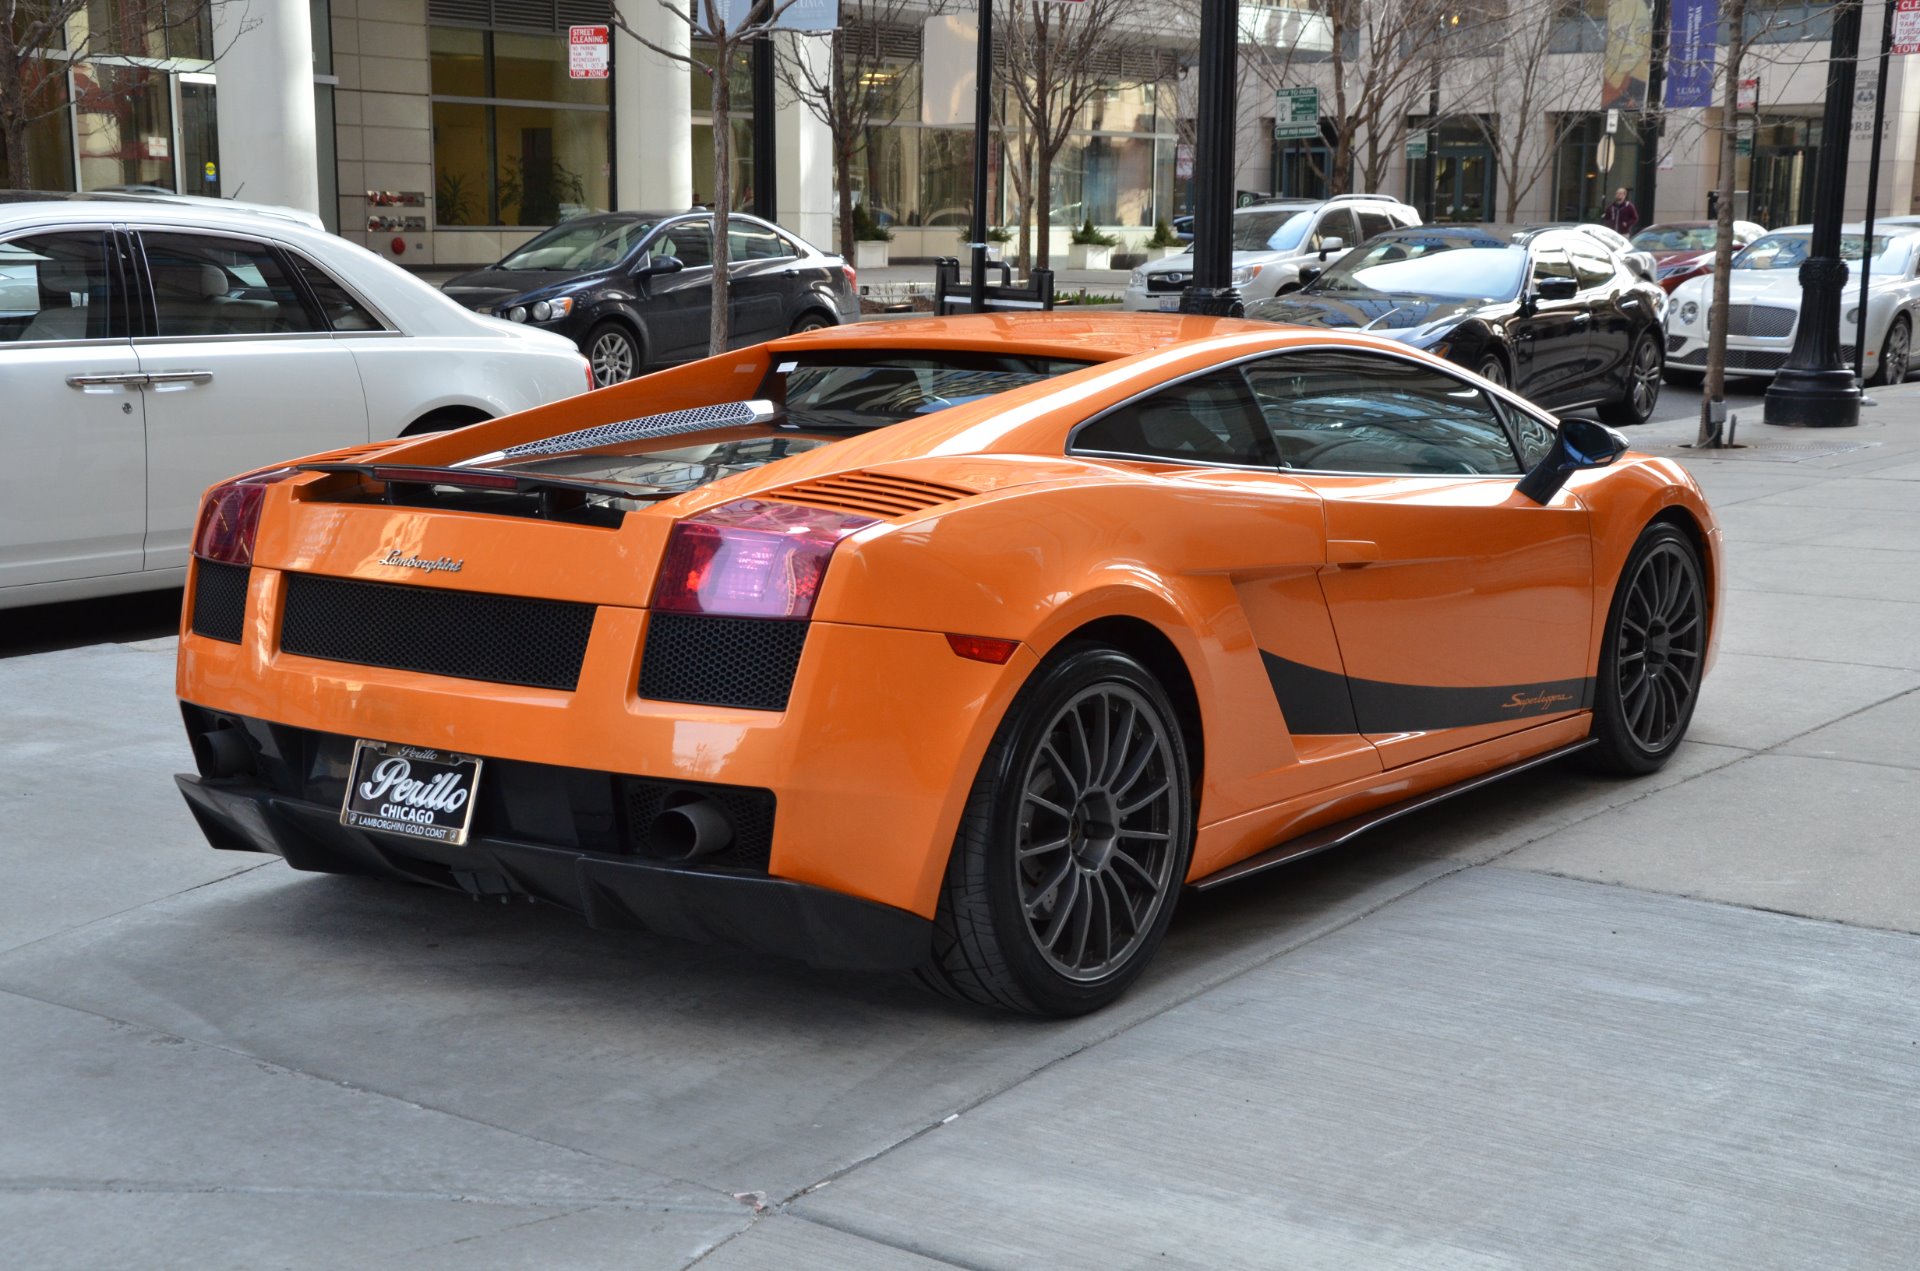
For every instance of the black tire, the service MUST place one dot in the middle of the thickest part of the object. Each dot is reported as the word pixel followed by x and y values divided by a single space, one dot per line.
pixel 1896 353
pixel 811 320
pixel 1645 366
pixel 1651 656
pixel 1493 368
pixel 614 353
pixel 1025 867
pixel 1683 379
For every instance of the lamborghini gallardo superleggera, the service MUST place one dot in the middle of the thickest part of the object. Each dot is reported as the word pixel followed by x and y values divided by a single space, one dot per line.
pixel 957 645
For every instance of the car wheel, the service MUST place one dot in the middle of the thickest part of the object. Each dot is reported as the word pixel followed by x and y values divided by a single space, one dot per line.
pixel 811 320
pixel 1073 845
pixel 1652 656
pixel 1643 384
pixel 1684 379
pixel 1493 369
pixel 1896 353
pixel 614 353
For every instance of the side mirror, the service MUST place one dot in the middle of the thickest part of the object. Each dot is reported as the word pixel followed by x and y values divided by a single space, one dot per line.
pixel 1334 244
pixel 1310 273
pixel 1579 445
pixel 1556 288
pixel 659 265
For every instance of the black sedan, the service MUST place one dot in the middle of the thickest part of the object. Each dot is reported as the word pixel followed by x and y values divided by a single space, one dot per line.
pixel 1551 313
pixel 635 289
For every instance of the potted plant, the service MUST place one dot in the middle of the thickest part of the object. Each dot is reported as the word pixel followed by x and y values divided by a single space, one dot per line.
pixel 998 236
pixel 870 240
pixel 1163 244
pixel 1091 249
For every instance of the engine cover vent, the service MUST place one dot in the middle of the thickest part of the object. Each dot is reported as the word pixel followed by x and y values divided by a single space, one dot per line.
pixel 871 494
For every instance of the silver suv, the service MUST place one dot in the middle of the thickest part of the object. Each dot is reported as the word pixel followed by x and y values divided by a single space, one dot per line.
pixel 1271 241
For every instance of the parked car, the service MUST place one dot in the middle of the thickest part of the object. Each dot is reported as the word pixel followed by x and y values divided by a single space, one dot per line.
pixel 962 645
pixel 1763 310
pixel 1684 249
pixel 1549 313
pixel 1641 263
pixel 635 289
pixel 1271 242
pixel 148 349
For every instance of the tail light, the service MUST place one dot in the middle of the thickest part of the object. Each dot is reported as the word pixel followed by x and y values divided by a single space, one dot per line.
pixel 230 517
pixel 853 279
pixel 751 559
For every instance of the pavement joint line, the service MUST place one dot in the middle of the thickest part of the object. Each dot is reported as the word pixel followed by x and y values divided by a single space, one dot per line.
pixel 498 1231
pixel 1798 657
pixel 118 913
pixel 1887 600
pixel 945 1260
pixel 1831 595
pixel 30 1186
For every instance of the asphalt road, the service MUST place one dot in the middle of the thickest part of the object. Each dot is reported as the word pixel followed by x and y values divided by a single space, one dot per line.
pixel 1562 1022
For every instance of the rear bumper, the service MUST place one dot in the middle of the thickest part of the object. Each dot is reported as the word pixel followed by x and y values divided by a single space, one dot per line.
pixel 746 910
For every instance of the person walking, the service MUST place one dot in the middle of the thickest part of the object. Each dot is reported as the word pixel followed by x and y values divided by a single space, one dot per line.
pixel 1621 216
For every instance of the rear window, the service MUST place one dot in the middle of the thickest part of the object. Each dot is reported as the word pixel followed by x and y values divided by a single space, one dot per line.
pixel 858 392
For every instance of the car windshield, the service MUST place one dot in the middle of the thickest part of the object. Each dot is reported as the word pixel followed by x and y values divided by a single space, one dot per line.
pixel 855 393
pixel 582 247
pixel 1442 265
pixel 1675 238
pixel 1786 251
pixel 1274 230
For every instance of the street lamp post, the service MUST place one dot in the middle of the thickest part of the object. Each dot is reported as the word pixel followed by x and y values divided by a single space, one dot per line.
pixel 1815 389
pixel 1212 291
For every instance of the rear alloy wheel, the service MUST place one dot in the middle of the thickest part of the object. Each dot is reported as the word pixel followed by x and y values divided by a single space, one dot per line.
pixel 1643 384
pixel 812 320
pixel 1073 846
pixel 1653 655
pixel 614 353
pixel 1493 370
pixel 1896 353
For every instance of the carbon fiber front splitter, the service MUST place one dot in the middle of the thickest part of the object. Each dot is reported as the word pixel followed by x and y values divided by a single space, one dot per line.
pixel 749 911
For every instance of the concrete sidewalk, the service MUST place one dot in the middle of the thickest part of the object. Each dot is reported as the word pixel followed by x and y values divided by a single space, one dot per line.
pixel 1563 1022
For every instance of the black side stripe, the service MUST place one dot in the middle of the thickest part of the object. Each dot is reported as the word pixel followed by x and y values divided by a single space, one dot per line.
pixel 1325 702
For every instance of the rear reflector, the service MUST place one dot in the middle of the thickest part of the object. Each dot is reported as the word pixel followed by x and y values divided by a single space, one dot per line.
pixel 230 517
pixel 982 648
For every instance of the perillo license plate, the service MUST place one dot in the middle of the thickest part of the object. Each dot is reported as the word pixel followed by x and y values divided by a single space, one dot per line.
pixel 427 794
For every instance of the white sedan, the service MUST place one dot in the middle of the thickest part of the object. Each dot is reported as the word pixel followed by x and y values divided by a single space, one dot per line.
pixel 1763 309
pixel 150 350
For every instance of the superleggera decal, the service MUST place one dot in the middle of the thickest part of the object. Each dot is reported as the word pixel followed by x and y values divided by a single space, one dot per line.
pixel 1322 702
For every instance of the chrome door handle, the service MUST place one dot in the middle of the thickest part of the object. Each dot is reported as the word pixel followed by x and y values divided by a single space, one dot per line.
pixel 180 377
pixel 132 379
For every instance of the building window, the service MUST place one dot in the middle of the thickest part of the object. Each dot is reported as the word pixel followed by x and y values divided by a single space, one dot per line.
pixel 1581 187
pixel 1456 181
pixel 515 141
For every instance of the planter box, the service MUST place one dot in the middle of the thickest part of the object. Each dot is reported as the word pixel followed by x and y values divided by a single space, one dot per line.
pixel 1088 256
pixel 870 253
pixel 1152 254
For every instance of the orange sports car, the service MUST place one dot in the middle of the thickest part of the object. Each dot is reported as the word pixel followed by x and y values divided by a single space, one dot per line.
pixel 960 645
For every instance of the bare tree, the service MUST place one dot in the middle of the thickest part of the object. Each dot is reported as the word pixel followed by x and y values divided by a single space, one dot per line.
pixel 1713 395
pixel 709 19
pixel 41 40
pixel 1525 105
pixel 857 89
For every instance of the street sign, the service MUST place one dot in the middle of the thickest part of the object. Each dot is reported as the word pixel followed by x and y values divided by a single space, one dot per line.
pixel 1613 122
pixel 1743 138
pixel 1866 91
pixel 1748 97
pixel 1296 114
pixel 1906 27
pixel 1416 145
pixel 589 52
pixel 1603 154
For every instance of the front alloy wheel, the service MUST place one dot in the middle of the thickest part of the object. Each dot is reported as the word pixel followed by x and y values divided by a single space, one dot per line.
pixel 1653 656
pixel 1896 353
pixel 1643 384
pixel 613 355
pixel 1493 370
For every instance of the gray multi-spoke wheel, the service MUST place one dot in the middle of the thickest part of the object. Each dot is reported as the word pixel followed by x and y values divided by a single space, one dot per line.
pixel 811 320
pixel 1493 369
pixel 1074 843
pixel 1653 656
pixel 614 353
pixel 1644 368
pixel 1896 353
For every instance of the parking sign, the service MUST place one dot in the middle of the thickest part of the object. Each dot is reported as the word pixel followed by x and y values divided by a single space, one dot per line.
pixel 589 52
pixel 1296 114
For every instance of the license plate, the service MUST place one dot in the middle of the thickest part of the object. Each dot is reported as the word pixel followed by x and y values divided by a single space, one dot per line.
pixel 410 790
pixel 1171 304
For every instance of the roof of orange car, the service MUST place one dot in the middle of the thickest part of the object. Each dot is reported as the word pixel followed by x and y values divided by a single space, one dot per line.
pixel 1091 336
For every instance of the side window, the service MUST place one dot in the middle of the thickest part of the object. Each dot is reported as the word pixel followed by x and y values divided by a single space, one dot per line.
pixel 691 241
pixel 208 285
pixel 1535 437
pixel 1207 419
pixel 747 241
pixel 1337 223
pixel 1336 411
pixel 55 287
pixel 342 311
pixel 1372 223
pixel 1593 269
pixel 1552 262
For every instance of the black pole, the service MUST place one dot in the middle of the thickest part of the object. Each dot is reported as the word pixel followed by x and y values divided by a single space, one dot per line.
pixel 1653 119
pixel 1873 197
pixel 1212 290
pixel 766 168
pixel 982 121
pixel 1815 389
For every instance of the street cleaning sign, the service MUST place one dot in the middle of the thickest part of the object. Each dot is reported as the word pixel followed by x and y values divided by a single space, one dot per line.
pixel 1296 114
pixel 1906 27
pixel 589 52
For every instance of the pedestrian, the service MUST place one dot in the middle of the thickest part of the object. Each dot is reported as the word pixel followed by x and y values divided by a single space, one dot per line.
pixel 1621 216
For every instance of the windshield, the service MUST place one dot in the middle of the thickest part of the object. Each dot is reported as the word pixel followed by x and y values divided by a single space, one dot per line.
pixel 848 395
pixel 1278 230
pixel 1786 251
pixel 580 247
pixel 1675 238
pixel 1451 267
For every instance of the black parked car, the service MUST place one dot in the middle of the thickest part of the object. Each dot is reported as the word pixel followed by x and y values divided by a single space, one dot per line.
pixel 1552 313
pixel 635 289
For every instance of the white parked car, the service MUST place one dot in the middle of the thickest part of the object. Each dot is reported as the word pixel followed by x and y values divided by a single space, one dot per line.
pixel 148 350
pixel 1271 241
pixel 1763 308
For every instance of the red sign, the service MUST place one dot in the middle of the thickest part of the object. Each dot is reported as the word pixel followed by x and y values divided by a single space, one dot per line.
pixel 589 52
pixel 1906 27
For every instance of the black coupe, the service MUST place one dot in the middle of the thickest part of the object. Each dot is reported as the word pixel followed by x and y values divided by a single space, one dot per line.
pixel 635 289
pixel 1551 313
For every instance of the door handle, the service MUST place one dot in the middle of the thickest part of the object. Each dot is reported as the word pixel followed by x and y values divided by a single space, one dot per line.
pixel 1582 321
pixel 180 377
pixel 132 379
pixel 1352 553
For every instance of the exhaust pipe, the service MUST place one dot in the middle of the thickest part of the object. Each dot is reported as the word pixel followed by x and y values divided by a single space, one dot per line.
pixel 690 830
pixel 222 752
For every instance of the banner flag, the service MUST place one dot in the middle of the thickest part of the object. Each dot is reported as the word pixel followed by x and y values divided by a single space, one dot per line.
pixel 1691 45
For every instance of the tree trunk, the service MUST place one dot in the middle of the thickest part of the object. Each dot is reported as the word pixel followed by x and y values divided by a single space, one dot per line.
pixel 1043 209
pixel 19 170
pixel 1714 391
pixel 844 140
pixel 722 195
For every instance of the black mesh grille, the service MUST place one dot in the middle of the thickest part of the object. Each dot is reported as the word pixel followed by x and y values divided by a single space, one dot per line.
pixel 219 600
pixel 505 639
pixel 749 809
pixel 712 661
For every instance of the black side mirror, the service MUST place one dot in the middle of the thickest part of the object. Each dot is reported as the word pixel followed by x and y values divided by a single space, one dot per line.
pixel 1309 273
pixel 1579 445
pixel 659 265
pixel 1556 288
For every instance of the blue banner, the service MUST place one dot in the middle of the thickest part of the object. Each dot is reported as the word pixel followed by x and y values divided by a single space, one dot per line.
pixel 1690 53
